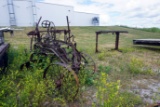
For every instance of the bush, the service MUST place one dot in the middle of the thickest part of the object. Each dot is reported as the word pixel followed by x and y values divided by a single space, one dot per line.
pixel 101 56
pixel 109 95
pixel 27 87
pixel 153 29
pixel 105 69
pixel 137 66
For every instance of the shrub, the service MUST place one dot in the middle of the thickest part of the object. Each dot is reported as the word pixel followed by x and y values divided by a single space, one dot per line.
pixel 109 95
pixel 137 66
pixel 105 69
pixel 101 56
pixel 26 88
pixel 107 92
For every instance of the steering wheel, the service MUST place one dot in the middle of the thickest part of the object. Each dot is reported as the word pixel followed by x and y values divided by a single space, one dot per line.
pixel 52 29
pixel 46 24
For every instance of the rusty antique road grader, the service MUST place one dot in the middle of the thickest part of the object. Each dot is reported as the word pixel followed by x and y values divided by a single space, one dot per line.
pixel 63 61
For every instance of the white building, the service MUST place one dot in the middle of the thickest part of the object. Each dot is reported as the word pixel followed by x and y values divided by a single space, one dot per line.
pixel 27 13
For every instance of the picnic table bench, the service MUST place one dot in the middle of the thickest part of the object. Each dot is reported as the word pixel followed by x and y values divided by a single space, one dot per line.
pixel 155 42
pixel 117 32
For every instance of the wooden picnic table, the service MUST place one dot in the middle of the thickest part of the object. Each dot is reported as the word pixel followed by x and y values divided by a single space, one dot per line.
pixel 117 32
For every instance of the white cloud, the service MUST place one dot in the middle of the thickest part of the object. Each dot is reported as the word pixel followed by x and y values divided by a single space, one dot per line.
pixel 104 19
pixel 65 2
pixel 125 12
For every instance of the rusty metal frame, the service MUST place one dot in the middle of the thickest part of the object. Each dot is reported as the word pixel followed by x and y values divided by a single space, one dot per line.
pixel 49 45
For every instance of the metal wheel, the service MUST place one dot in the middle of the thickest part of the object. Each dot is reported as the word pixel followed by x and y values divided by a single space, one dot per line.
pixel 40 60
pixel 87 62
pixel 64 79
pixel 67 54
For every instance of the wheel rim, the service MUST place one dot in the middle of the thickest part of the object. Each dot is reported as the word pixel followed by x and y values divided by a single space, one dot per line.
pixel 64 78
pixel 87 62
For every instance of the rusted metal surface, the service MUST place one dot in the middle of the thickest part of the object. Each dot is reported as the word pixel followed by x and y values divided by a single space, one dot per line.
pixel 68 28
pixel 61 53
pixel 117 32
pixel 48 43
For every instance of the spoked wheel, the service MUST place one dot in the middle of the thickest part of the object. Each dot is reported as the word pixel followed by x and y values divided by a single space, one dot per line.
pixel 64 79
pixel 40 59
pixel 87 62
pixel 37 59
pixel 65 51
pixel 68 54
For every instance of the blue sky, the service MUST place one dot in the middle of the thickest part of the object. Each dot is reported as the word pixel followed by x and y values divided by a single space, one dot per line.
pixel 135 13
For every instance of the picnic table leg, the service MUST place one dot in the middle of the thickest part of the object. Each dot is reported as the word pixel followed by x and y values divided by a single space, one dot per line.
pixel 96 43
pixel 117 41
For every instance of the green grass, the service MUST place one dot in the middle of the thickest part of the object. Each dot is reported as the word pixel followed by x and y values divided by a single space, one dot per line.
pixel 134 62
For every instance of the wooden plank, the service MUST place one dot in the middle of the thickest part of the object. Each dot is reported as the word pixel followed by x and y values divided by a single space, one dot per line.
pixel 155 42
pixel 111 31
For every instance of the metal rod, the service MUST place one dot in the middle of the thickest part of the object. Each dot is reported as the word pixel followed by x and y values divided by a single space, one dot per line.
pixel 68 28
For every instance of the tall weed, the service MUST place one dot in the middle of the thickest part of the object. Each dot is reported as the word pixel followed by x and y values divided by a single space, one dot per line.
pixel 109 94
pixel 137 66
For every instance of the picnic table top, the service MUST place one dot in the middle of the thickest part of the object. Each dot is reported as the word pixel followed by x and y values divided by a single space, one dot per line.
pixel 111 31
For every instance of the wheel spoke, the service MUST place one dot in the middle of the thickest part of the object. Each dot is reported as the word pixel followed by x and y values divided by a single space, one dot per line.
pixel 64 79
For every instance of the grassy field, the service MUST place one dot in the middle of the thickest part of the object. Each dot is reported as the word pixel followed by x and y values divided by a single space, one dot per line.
pixel 137 67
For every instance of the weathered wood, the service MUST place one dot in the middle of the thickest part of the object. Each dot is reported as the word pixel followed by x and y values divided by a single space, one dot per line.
pixel 110 31
pixel 117 32
pixel 96 42
pixel 155 42
pixel 117 41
